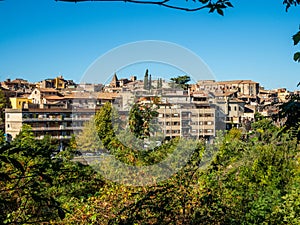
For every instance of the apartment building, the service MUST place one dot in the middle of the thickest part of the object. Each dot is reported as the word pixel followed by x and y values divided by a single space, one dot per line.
pixel 186 121
pixel 59 117
pixel 182 115
pixel 58 123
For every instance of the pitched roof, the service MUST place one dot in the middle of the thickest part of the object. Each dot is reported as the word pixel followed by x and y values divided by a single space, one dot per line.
pixel 53 97
pixel 47 90
pixel 107 95
pixel 226 93
pixel 80 95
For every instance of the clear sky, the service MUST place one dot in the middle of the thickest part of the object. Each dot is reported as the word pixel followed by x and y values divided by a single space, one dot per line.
pixel 44 38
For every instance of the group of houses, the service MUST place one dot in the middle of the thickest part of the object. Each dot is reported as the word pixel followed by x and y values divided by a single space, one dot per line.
pixel 60 107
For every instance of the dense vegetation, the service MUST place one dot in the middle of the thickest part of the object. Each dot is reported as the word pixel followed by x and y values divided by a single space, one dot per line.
pixel 253 178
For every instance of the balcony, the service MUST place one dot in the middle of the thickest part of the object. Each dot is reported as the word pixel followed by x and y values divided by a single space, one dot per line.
pixel 56 119
pixel 56 128
pixel 41 119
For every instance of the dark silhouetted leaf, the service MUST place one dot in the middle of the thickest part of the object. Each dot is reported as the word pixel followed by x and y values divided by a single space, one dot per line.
pixel 297 56
pixel 229 4
pixel 220 11
pixel 296 38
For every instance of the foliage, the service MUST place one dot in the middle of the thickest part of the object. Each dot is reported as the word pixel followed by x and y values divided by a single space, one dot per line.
pixel 104 124
pixel 181 81
pixel 159 83
pixel 289 3
pixel 34 183
pixel 4 103
pixel 290 111
pixel 251 178
pixel 146 80
pixel 88 139
pixel 2 137
pixel 249 182
pixel 3 100
pixel 140 117
pixel 296 39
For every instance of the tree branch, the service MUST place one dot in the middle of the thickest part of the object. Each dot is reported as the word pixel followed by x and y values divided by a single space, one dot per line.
pixel 219 5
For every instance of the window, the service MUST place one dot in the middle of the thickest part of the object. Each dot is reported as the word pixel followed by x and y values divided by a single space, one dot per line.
pixel 8 126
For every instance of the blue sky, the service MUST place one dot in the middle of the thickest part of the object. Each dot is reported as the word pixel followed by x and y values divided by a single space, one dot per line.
pixel 41 39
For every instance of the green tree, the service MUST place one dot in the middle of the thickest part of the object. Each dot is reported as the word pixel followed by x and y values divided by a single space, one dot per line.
pixel 88 139
pixel 35 184
pixel 159 83
pixel 104 125
pixel 252 179
pixel 181 81
pixel 146 80
pixel 140 117
pixel 3 105
pixel 150 82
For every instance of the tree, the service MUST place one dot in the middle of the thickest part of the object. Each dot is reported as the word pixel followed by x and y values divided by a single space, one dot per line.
pixel 140 117
pixel 3 105
pixel 252 179
pixel 36 187
pixel 150 82
pixel 159 83
pixel 146 80
pixel 103 122
pixel 88 139
pixel 181 81
pixel 289 115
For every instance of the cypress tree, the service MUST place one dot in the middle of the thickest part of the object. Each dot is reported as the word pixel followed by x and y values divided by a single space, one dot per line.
pixel 150 82
pixel 146 80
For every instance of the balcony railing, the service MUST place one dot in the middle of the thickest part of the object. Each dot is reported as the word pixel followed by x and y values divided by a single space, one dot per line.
pixel 55 119
pixel 56 128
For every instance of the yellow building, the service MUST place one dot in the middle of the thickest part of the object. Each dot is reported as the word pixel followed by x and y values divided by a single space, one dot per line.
pixel 60 82
pixel 19 102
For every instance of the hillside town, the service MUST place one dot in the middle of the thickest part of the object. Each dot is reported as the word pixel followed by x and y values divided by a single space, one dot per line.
pixel 60 107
